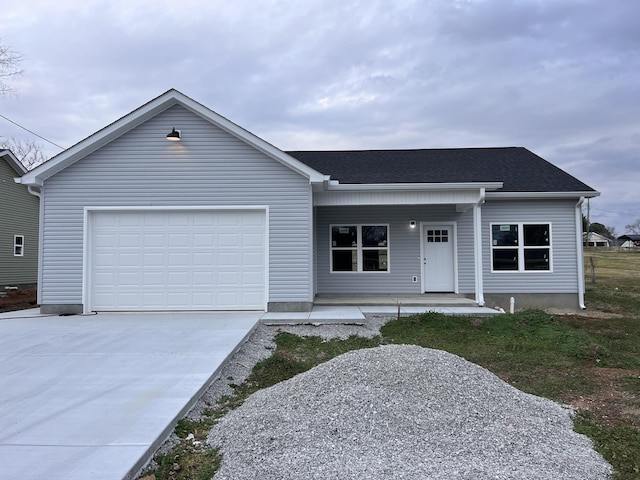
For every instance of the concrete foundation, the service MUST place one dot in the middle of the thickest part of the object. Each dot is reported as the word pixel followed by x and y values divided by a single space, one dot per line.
pixel 290 306
pixel 523 301
pixel 61 309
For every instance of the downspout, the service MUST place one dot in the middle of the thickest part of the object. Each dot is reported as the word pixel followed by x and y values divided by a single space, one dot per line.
pixel 37 191
pixel 32 190
pixel 477 229
pixel 580 254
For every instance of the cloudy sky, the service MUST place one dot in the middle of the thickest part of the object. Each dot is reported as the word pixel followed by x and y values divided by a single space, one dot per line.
pixel 560 77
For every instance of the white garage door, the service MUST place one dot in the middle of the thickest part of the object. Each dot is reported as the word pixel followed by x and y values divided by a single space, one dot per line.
pixel 176 260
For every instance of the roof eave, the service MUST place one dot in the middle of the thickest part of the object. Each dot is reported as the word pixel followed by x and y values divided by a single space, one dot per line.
pixel 541 195
pixel 13 161
pixel 488 186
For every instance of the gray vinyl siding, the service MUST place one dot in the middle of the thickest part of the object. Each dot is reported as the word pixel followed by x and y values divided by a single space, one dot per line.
pixel 207 167
pixel 404 247
pixel 18 216
pixel 561 215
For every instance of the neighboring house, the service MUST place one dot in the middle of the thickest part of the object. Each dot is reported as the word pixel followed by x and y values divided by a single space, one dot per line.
pixel 18 227
pixel 222 220
pixel 629 241
pixel 593 239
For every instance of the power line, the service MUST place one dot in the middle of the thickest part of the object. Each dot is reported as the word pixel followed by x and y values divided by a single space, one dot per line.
pixel 31 132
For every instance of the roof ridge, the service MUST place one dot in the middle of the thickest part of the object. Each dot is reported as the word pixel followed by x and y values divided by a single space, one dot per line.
pixel 403 149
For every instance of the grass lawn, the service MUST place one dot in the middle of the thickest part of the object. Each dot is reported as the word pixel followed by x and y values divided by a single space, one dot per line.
pixel 590 361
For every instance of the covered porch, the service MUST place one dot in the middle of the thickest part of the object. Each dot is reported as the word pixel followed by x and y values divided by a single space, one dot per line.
pixel 395 300
pixel 355 308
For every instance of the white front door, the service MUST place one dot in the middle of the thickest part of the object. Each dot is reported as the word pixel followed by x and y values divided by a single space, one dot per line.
pixel 438 261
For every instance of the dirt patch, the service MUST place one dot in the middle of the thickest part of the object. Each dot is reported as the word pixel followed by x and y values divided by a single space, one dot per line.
pixel 610 402
pixel 18 300
pixel 585 314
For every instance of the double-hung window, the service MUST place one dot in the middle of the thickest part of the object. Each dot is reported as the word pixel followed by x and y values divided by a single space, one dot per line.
pixel 18 245
pixel 359 248
pixel 521 247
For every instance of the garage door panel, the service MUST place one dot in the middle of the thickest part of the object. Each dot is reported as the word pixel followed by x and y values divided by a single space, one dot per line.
pixel 152 300
pixel 152 279
pixel 132 220
pixel 204 258
pixel 203 279
pixel 179 259
pixel 129 260
pixel 105 240
pixel 153 239
pixel 252 278
pixel 252 240
pixel 202 240
pixel 104 259
pixel 130 279
pixel 191 260
pixel 228 240
pixel 153 259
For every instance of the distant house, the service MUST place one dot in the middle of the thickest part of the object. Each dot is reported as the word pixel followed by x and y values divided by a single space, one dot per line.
pixel 18 227
pixel 629 241
pixel 593 239
pixel 174 207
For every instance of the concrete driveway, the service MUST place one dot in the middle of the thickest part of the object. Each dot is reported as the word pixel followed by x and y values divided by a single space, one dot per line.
pixel 89 397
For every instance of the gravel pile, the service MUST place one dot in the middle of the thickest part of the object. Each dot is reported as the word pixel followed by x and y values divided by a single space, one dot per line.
pixel 401 412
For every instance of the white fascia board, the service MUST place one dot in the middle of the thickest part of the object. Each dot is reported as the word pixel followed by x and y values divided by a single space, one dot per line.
pixel 414 186
pixel 13 162
pixel 256 142
pixel 539 195
pixel 93 142
pixel 149 110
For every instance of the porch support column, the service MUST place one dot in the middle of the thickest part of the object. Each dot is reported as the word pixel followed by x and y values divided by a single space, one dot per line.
pixel 580 254
pixel 477 242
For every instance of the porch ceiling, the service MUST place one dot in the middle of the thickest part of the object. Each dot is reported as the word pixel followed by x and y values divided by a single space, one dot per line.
pixel 427 299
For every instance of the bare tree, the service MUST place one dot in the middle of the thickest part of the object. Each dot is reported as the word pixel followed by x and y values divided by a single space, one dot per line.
pixel 9 68
pixel 634 227
pixel 29 152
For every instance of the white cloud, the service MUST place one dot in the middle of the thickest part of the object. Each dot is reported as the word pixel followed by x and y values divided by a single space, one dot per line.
pixel 557 76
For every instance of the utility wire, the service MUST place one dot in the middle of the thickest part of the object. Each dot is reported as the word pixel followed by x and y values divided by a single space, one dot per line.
pixel 31 132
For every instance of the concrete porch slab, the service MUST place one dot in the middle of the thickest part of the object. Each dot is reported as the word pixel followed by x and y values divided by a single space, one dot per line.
pixel 427 299
pixel 357 314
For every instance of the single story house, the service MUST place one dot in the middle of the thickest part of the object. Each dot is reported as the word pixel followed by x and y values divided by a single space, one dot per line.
pixel 629 241
pixel 174 207
pixel 593 239
pixel 18 228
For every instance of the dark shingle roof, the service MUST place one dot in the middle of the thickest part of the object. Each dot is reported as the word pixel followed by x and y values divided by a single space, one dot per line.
pixel 519 169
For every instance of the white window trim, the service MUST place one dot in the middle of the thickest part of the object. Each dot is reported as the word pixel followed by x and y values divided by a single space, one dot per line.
pixel 360 248
pixel 18 247
pixel 521 248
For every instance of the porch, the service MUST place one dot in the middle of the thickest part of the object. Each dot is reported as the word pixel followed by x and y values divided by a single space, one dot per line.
pixel 354 308
pixel 421 300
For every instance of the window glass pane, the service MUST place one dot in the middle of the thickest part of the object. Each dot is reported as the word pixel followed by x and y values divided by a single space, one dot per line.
pixel 437 236
pixel 504 235
pixel 345 260
pixel 344 236
pixel 374 236
pixel 19 240
pixel 536 259
pixel 536 235
pixel 374 260
pixel 505 259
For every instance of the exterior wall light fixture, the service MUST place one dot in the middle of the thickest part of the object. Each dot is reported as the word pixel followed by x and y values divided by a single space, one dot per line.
pixel 412 224
pixel 174 135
